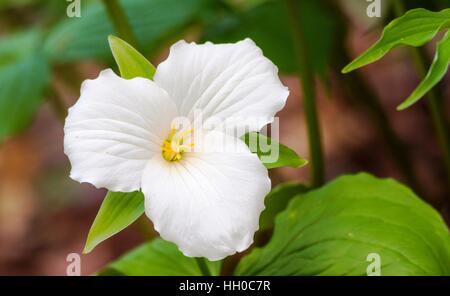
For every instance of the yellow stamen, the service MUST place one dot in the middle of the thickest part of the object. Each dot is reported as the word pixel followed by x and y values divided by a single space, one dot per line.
pixel 174 145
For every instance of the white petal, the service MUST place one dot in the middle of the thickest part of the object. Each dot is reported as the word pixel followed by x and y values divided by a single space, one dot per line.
pixel 115 127
pixel 233 82
pixel 209 202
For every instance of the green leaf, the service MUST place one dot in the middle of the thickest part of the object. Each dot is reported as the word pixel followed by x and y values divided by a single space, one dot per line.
pixel 414 28
pixel 437 71
pixel 18 46
pixel 153 22
pixel 157 258
pixel 131 63
pixel 271 153
pixel 21 92
pixel 117 212
pixel 24 76
pixel 267 24
pixel 277 200
pixel 332 230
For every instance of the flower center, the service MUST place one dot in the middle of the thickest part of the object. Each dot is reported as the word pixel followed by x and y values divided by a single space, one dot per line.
pixel 175 144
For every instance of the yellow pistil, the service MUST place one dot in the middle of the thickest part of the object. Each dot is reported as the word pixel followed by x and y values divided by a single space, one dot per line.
pixel 174 145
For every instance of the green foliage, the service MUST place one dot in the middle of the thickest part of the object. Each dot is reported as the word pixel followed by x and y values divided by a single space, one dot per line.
pixel 24 75
pixel 267 148
pixel 267 24
pixel 437 71
pixel 17 46
pixel 152 21
pixel 414 28
pixel 277 200
pixel 117 212
pixel 157 257
pixel 24 66
pixel 15 3
pixel 131 63
pixel 331 231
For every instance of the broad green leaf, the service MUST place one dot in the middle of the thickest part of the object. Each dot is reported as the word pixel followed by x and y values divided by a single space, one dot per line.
pixel 22 85
pixel 333 229
pixel 437 71
pixel 24 76
pixel 157 258
pixel 277 200
pixel 153 22
pixel 271 153
pixel 117 212
pixel 267 24
pixel 131 63
pixel 414 28
pixel 18 46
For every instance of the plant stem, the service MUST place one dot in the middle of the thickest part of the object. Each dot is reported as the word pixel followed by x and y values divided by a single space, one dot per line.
pixel 306 76
pixel 358 91
pixel 399 8
pixel 201 262
pixel 120 21
pixel 144 229
pixel 57 104
pixel 434 102
pixel 434 99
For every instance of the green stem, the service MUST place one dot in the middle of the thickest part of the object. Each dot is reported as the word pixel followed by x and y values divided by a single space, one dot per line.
pixel 201 262
pixel 434 99
pixel 144 229
pixel 120 22
pixel 57 104
pixel 442 132
pixel 399 8
pixel 434 102
pixel 309 97
pixel 359 92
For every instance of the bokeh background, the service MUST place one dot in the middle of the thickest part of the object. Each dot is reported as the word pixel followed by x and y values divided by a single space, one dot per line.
pixel 45 55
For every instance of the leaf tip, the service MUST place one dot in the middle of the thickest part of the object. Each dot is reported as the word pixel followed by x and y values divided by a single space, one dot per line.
pixel 303 162
pixel 87 249
pixel 114 41
pixel 346 69
pixel 111 38
pixel 89 245
pixel 402 106
pixel 411 100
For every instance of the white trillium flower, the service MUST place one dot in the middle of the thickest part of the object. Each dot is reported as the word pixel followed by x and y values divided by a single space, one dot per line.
pixel 120 135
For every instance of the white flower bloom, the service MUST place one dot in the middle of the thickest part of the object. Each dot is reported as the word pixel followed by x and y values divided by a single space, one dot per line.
pixel 120 136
